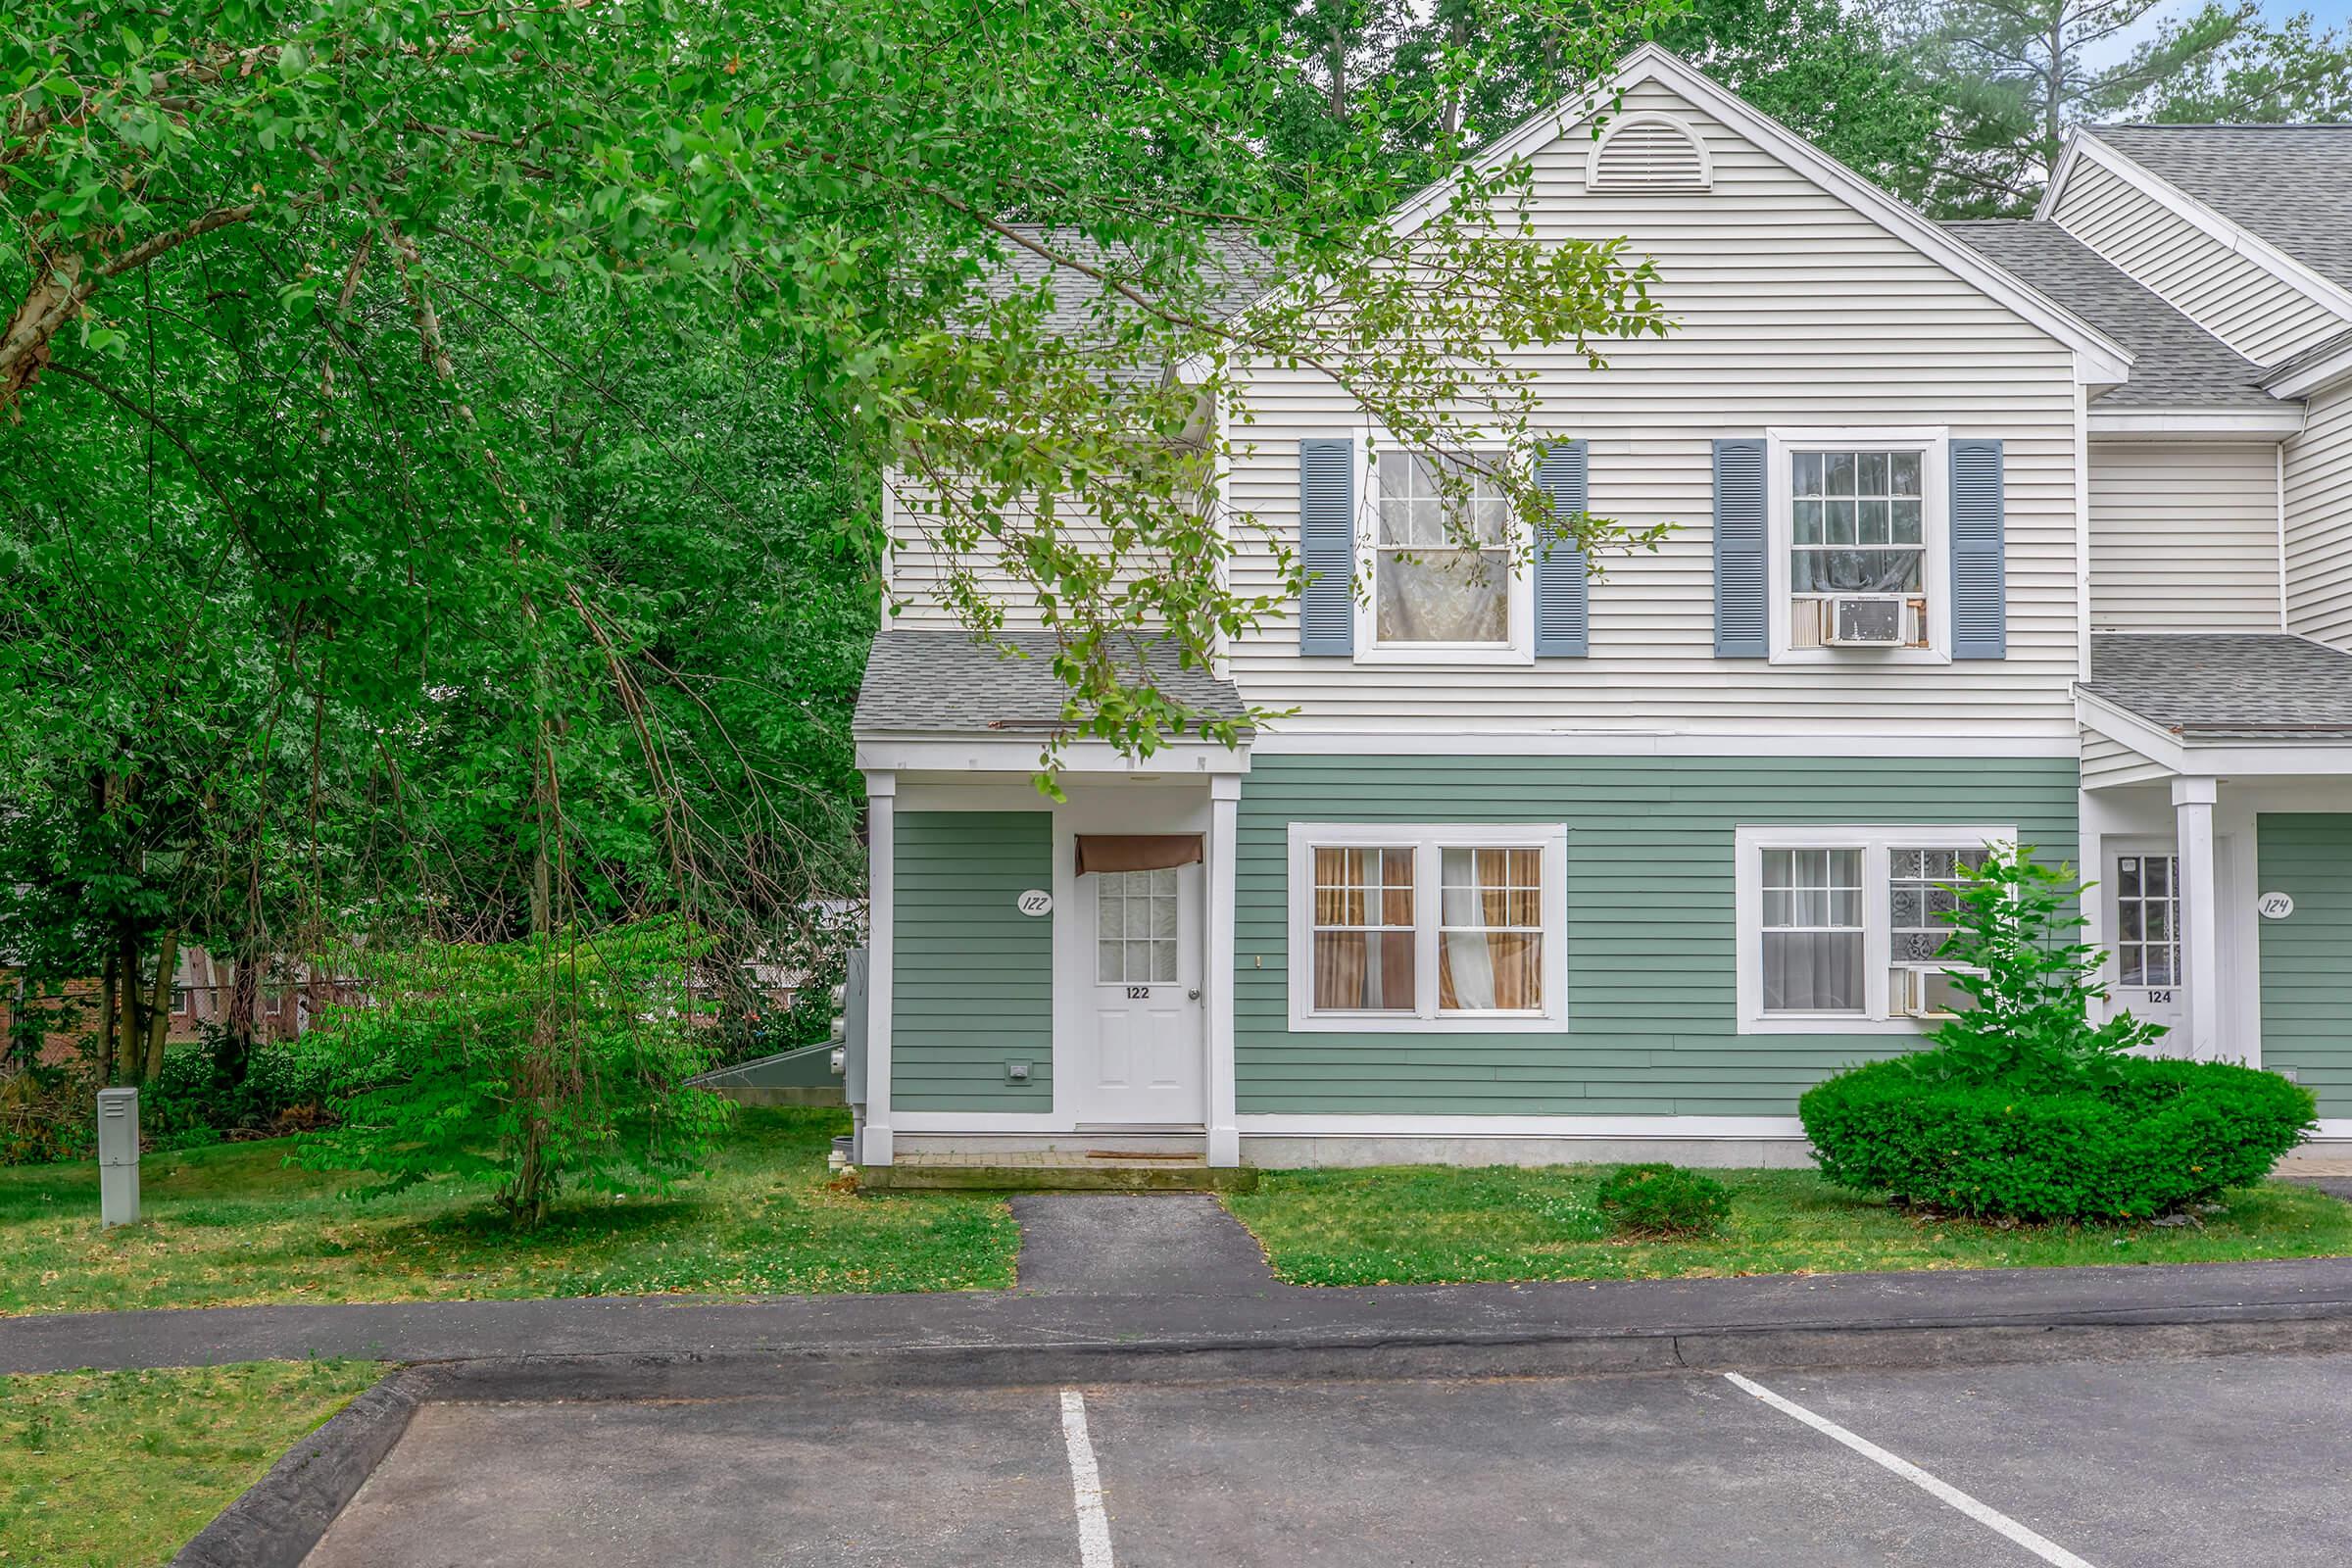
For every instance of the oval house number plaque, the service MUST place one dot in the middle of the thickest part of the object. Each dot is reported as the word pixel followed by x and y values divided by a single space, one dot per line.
pixel 2276 905
pixel 1035 902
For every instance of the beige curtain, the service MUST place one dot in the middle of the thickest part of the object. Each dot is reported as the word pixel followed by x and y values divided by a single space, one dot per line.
pixel 1136 851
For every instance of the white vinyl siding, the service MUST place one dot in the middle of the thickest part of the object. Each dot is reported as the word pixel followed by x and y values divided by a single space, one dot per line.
pixel 2231 295
pixel 1792 310
pixel 2183 538
pixel 2108 764
pixel 2318 522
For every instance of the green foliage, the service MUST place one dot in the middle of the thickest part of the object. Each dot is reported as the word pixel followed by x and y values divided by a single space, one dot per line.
pixel 2033 989
pixel 2146 1138
pixel 2262 73
pixel 533 1068
pixel 1660 1199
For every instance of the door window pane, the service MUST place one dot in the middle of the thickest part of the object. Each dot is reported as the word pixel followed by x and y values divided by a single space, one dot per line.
pixel 1490 930
pixel 1363 925
pixel 2147 920
pixel 1135 927
pixel 1812 930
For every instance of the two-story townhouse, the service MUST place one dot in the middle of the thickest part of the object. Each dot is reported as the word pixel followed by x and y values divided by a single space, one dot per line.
pixel 1546 867
pixel 2217 707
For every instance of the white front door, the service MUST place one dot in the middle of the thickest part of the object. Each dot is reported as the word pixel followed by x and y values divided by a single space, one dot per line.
pixel 1149 1060
pixel 2143 925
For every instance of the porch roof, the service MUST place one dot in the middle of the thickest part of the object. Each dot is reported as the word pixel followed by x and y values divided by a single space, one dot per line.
pixel 948 683
pixel 2227 686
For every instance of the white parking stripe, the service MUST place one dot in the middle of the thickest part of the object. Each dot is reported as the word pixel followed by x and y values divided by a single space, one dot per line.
pixel 1086 1484
pixel 2047 1550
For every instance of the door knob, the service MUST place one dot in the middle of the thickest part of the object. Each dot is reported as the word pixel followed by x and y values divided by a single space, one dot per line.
pixel 1192 996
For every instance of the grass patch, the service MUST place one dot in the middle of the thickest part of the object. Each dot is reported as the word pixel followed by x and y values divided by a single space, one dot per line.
pixel 234 1225
pixel 109 1469
pixel 1426 1225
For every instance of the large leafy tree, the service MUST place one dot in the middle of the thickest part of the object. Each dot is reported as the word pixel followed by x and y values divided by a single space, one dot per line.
pixel 2013 76
pixel 2263 73
pixel 442 440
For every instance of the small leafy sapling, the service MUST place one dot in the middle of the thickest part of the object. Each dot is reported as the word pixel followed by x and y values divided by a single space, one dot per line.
pixel 2012 952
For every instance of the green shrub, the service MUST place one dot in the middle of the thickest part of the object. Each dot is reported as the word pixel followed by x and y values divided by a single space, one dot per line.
pixel 2147 1137
pixel 2011 950
pixel 532 1067
pixel 1663 1201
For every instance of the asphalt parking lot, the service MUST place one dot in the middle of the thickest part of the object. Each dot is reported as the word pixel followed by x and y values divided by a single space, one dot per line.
pixel 2154 1464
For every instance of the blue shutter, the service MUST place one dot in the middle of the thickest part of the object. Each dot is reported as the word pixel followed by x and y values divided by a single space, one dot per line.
pixel 1563 586
pixel 1980 579
pixel 1741 579
pixel 1327 546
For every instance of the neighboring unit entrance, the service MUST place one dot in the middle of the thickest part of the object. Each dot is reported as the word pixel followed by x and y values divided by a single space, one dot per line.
pixel 1148 1061
pixel 2143 915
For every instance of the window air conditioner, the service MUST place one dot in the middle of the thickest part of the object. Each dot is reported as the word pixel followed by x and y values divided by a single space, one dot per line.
pixel 1874 620
pixel 1925 994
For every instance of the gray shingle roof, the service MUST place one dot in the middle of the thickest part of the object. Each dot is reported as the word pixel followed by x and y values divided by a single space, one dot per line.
pixel 2176 362
pixel 944 682
pixel 1237 270
pixel 2226 686
pixel 2286 183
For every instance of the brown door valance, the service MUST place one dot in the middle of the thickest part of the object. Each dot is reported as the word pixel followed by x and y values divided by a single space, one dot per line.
pixel 1136 851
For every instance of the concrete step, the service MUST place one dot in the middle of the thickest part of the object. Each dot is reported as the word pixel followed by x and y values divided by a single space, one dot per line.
pixel 1112 1175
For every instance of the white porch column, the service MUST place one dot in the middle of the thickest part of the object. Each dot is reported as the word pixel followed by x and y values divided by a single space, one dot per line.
pixel 2200 913
pixel 881 800
pixel 1224 804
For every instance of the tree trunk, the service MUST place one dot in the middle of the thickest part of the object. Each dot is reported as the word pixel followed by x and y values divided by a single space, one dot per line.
pixel 1339 73
pixel 128 1041
pixel 106 1022
pixel 159 1012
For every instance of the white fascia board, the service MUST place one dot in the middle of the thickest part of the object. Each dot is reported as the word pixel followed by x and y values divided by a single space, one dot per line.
pixel 2230 760
pixel 1026 755
pixel 2317 377
pixel 1352 1126
pixel 2099 360
pixel 2127 728
pixel 2205 425
pixel 2085 143
pixel 1856 742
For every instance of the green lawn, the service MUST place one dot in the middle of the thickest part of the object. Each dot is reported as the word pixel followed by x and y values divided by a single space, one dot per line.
pixel 234 1225
pixel 115 1469
pixel 1430 1225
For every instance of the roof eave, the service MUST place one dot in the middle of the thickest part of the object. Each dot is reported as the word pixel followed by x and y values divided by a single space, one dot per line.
pixel 2209 423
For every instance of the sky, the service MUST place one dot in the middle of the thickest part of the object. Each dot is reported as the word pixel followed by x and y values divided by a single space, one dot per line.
pixel 2336 14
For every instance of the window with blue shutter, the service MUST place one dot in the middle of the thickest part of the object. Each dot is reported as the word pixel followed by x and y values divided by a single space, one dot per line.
pixel 1740 544
pixel 1327 546
pixel 1980 582
pixel 1564 584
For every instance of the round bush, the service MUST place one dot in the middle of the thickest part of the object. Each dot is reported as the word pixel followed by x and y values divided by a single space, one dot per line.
pixel 1663 1201
pixel 2142 1138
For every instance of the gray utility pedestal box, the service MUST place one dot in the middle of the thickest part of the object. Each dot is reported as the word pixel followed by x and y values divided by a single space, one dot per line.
pixel 119 1156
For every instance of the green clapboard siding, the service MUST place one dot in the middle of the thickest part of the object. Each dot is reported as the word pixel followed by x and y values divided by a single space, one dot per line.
pixel 2307 958
pixel 1653 1004
pixel 971 977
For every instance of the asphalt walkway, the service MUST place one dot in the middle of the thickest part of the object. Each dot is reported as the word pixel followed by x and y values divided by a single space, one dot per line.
pixel 1197 1284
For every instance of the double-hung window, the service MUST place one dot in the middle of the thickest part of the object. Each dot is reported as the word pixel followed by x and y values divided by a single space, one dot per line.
pixel 1846 928
pixel 1443 581
pixel 1448 927
pixel 1859 532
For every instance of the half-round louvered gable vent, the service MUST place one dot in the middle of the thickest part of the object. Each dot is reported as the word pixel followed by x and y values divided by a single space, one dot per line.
pixel 1649 152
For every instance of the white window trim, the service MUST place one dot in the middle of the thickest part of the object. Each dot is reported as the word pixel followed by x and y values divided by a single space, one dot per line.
pixel 1876 842
pixel 1426 840
pixel 1934 444
pixel 1520 650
